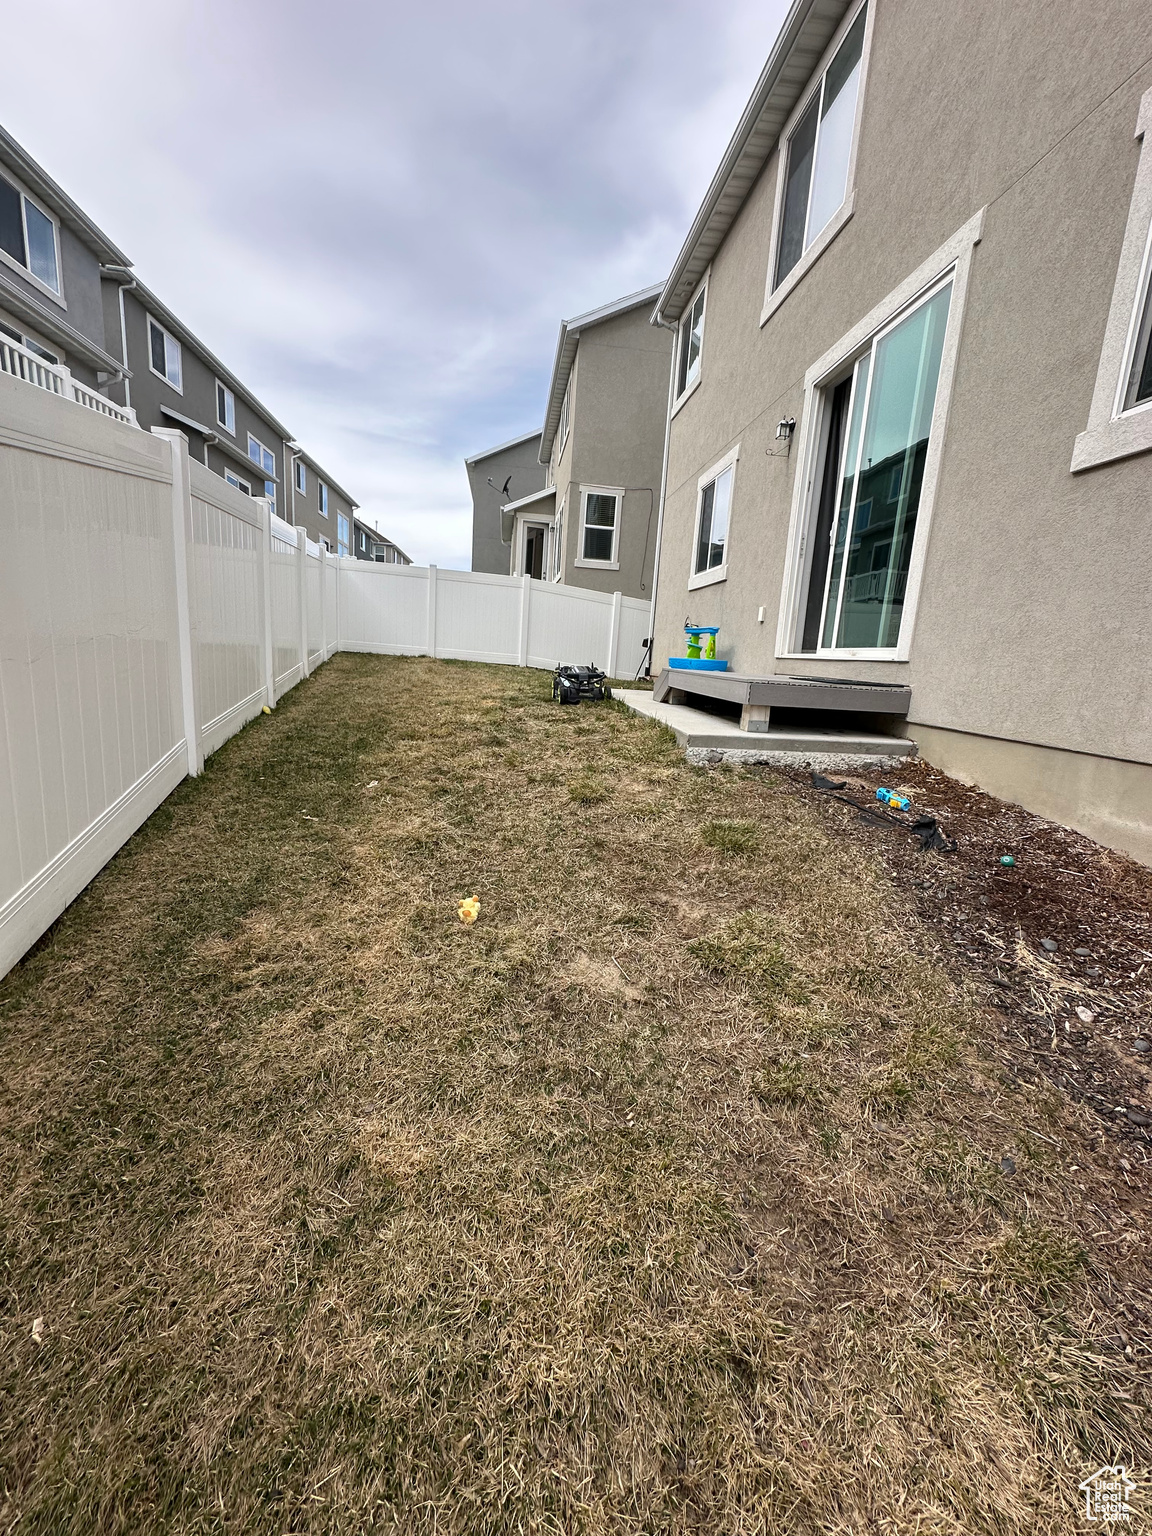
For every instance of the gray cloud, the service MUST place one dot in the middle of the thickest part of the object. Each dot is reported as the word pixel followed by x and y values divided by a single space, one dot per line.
pixel 377 214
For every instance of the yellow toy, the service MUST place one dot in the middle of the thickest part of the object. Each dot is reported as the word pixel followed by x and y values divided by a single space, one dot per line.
pixel 469 910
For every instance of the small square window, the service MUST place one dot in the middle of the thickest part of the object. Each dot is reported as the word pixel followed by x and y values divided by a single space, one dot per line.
pixel 600 525
pixel 165 356
pixel 225 407
pixel 301 477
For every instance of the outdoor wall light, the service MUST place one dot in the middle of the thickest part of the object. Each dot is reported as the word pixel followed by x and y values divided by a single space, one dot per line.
pixel 785 428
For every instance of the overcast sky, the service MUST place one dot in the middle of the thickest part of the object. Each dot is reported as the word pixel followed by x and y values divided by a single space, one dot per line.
pixel 377 213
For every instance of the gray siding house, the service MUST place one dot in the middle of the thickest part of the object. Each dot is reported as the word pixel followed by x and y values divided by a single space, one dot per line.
pixel 594 525
pixel 497 476
pixel 50 259
pixel 911 434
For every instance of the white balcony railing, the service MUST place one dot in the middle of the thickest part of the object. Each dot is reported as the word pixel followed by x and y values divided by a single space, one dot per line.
pixel 57 380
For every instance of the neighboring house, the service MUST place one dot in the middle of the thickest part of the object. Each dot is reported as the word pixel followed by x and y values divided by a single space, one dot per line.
pixel 176 382
pixel 314 499
pixel 72 307
pixel 387 553
pixel 50 259
pixel 495 477
pixel 594 525
pixel 930 251
pixel 369 543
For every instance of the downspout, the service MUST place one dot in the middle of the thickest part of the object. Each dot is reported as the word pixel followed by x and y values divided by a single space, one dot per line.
pixel 121 290
pixel 667 325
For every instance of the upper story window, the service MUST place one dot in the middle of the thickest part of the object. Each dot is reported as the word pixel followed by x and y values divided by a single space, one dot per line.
pixel 819 153
pixel 27 342
pixel 363 539
pixel 322 494
pixel 29 237
pixel 342 532
pixel 165 356
pixel 691 344
pixel 261 455
pixel 301 477
pixel 565 417
pixel 225 407
pixel 600 525
pixel 234 479
pixel 713 506
pixel 1120 416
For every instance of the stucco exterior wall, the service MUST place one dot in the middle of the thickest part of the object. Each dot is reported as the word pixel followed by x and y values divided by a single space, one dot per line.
pixel 618 405
pixel 1035 621
pixel 522 462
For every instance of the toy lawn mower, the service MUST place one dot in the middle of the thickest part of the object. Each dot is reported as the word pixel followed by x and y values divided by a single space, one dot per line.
pixel 571 684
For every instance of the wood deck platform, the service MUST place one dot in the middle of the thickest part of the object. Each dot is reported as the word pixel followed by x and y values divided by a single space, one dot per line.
pixel 758 695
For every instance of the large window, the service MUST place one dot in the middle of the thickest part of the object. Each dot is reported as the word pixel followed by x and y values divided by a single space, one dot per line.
pixel 165 357
pixel 565 417
pixel 819 152
pixel 342 534
pixel 600 524
pixel 26 341
pixel 28 236
pixel 713 511
pixel 266 460
pixel 301 477
pixel 879 423
pixel 691 343
pixel 225 407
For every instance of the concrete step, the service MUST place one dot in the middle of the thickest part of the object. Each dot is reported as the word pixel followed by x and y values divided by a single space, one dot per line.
pixel 712 738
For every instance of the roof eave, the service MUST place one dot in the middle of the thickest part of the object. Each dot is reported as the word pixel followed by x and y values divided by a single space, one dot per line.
pixel 807 30
pixel 489 453
pixel 17 158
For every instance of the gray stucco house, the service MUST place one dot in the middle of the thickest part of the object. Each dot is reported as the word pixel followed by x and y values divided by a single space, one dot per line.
pixel 911 433
pixel 506 473
pixel 70 299
pixel 594 522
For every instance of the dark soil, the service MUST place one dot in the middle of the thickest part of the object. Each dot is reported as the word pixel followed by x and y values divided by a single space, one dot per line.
pixel 1091 901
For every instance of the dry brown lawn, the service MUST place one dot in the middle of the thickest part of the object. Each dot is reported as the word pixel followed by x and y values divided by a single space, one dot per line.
pixel 682 1193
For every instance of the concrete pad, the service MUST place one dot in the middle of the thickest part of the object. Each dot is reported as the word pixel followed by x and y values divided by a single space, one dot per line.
pixel 709 738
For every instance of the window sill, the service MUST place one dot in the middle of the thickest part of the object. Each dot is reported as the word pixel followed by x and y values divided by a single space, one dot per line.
pixel 688 393
pixel 708 578
pixel 810 257
pixel 30 277
pixel 889 655
pixel 164 379
pixel 598 565
pixel 1117 439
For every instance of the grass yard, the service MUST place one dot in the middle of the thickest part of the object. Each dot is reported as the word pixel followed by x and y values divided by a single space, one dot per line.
pixel 682 1193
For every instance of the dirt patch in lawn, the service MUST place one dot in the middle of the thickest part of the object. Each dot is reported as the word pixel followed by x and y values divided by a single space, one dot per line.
pixel 694 1188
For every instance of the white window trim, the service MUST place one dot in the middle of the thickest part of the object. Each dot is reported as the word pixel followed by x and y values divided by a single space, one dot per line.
pixel 300 477
pixel 690 389
pixel 955 257
pixel 524 521
pixel 601 490
pixel 10 261
pixel 698 579
pixel 558 543
pixel 220 384
pixel 234 480
pixel 566 413
pixel 149 322
pixel 322 496
pixel 1112 432
pixel 264 473
pixel 773 298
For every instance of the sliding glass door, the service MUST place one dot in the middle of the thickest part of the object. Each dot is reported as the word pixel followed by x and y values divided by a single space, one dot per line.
pixel 872 478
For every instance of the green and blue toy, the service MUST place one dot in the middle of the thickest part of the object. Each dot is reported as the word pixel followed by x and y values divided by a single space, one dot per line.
pixel 700 649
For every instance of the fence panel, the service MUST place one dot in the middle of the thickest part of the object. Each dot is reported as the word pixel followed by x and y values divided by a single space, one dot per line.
pixel 383 608
pixel 478 616
pixel 635 627
pixel 314 586
pixel 225 603
pixel 568 624
pixel 331 577
pixel 91 716
pixel 286 660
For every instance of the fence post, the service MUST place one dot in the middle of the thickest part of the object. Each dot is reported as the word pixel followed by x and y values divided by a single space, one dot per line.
pixel 266 593
pixel 614 633
pixel 322 563
pixel 525 608
pixel 181 533
pixel 302 595
pixel 431 641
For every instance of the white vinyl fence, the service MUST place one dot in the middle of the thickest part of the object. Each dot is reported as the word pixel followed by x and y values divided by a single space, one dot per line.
pixel 148 610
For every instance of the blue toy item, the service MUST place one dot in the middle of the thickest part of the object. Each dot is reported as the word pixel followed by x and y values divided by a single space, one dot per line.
pixel 701 649
pixel 890 797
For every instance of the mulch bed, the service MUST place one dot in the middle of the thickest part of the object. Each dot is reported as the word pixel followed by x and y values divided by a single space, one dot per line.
pixel 1079 1014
